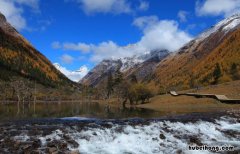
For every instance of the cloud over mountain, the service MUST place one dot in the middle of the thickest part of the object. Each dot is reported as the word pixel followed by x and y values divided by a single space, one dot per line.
pixel 13 11
pixel 157 34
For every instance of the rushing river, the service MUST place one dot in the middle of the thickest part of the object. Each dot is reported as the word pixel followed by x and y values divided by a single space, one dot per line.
pixel 95 129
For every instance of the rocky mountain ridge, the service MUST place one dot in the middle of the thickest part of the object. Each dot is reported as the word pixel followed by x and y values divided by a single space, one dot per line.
pixel 192 65
pixel 126 65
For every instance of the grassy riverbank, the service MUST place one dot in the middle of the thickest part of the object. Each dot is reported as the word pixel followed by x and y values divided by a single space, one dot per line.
pixel 187 104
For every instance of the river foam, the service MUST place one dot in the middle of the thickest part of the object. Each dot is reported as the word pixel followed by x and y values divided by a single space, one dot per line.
pixel 153 137
pixel 122 136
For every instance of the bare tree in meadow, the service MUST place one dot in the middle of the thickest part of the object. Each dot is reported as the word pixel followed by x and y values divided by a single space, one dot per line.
pixel 22 91
pixel 26 97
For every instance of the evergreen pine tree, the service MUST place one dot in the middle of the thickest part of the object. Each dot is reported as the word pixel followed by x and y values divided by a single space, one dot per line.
pixel 133 78
pixel 217 73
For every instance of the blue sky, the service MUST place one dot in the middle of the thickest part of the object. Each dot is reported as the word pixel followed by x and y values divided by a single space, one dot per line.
pixel 76 33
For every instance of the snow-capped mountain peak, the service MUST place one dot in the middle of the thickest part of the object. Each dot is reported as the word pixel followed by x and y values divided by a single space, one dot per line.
pixel 225 26
pixel 73 75
pixel 123 64
pixel 130 62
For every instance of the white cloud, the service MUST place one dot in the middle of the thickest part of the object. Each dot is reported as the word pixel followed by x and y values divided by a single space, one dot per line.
pixel 144 22
pixel 157 34
pixel 73 75
pixel 217 7
pixel 182 15
pixel 34 4
pixel 111 6
pixel 143 6
pixel 110 49
pixel 83 47
pixel 56 45
pixel 66 59
pixel 105 6
pixel 77 47
pixel 13 11
pixel 162 34
pixel 13 14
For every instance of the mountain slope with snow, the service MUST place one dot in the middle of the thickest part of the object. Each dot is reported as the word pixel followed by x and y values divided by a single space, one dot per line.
pixel 190 66
pixel 127 65
pixel 224 26
pixel 72 75
pixel 195 63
